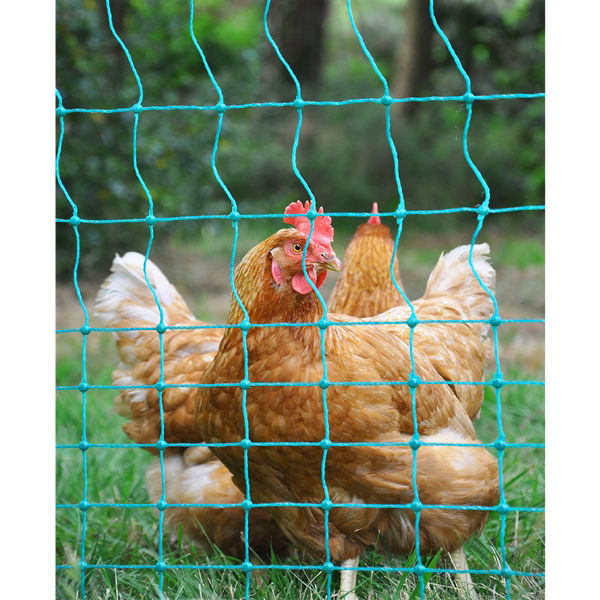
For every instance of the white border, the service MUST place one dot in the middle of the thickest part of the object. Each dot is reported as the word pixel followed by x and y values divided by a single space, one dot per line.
pixel 27 242
pixel 27 284
pixel 573 298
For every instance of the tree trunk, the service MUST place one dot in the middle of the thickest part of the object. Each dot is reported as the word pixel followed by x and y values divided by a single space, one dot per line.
pixel 412 61
pixel 297 26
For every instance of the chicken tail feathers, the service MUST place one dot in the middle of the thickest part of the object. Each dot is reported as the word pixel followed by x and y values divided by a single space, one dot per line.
pixel 125 300
pixel 454 276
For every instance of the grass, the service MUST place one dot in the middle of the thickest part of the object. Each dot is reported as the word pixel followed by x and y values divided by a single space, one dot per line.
pixel 130 536
pixel 121 536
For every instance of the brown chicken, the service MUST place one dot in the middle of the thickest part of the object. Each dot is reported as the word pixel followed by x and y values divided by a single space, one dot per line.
pixel 193 475
pixel 365 288
pixel 456 350
pixel 453 293
pixel 273 289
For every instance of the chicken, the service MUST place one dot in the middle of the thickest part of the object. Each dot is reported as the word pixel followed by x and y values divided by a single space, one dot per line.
pixel 271 284
pixel 456 350
pixel 365 288
pixel 453 293
pixel 193 475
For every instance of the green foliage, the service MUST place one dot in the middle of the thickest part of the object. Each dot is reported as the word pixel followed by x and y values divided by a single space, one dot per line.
pixel 173 148
pixel 343 152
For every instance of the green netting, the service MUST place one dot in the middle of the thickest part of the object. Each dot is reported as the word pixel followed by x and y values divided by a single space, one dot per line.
pixel 468 99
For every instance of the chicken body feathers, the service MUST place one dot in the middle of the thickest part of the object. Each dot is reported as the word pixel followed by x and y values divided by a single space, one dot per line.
pixel 192 475
pixel 379 414
pixel 453 293
pixel 375 414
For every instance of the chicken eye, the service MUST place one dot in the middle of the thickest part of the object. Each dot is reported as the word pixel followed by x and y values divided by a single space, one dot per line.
pixel 297 248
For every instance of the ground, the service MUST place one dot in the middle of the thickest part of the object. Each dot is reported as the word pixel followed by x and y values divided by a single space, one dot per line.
pixel 199 269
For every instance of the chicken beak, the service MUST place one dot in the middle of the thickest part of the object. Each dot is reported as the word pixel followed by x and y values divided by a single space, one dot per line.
pixel 331 263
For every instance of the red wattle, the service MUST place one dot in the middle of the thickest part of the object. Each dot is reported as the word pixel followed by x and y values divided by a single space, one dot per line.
pixel 301 285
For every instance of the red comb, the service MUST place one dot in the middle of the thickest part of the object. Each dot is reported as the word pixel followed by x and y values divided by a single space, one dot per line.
pixel 323 229
pixel 374 220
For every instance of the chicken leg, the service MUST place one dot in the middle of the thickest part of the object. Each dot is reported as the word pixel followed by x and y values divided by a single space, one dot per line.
pixel 348 579
pixel 464 581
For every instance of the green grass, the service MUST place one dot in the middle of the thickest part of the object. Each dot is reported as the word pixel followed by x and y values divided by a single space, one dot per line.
pixel 521 253
pixel 130 536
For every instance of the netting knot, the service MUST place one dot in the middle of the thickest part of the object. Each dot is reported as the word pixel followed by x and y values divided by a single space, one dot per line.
pixel 414 443
pixel 83 565
pixel 412 321
pixel 327 505
pixel 161 445
pixel 84 505
pixel 247 504
pixel 161 328
pixel 325 444
pixel 468 98
pixel 483 211
pixel 502 508
pixel 247 566
pixel 85 330
pixel 244 325
pixel 299 103
pixel 161 505
pixel 498 382
pixel 312 214
pixel 400 214
pixel 419 569
pixel 324 384
pixel 137 108
pixel 220 107
pixel 245 443
pixel 386 100
pixel 74 221
pixel 160 566
pixel 83 387
pixel 495 320
pixel 322 324
pixel 245 384
pixel 83 446
pixel 328 567
pixel 151 219
pixel 413 381
pixel 61 111
pixel 416 506
pixel 160 386
pixel 500 445
pixel 234 216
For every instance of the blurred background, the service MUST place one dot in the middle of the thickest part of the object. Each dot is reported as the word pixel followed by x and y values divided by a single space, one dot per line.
pixel 343 152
